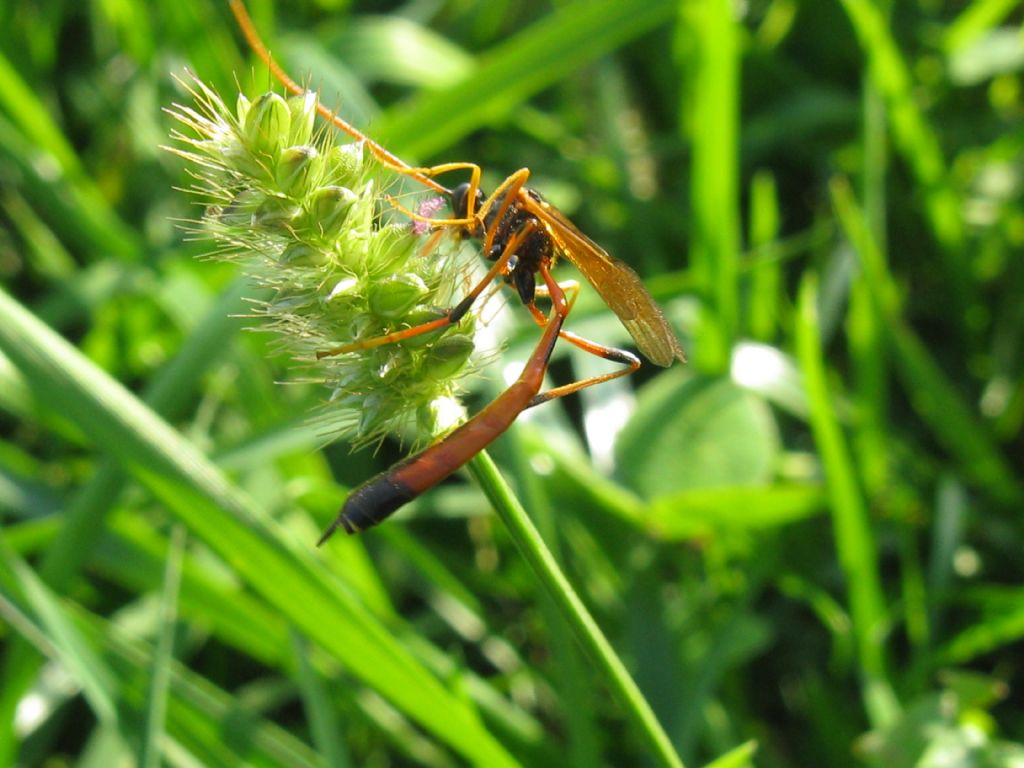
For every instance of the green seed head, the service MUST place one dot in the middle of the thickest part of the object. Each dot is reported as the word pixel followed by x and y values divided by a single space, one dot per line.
pixel 392 297
pixel 242 105
pixel 303 115
pixel 329 207
pixel 309 220
pixel 298 170
pixel 447 357
pixel 275 213
pixel 267 124
pixel 303 255
pixel 345 164
pixel 421 315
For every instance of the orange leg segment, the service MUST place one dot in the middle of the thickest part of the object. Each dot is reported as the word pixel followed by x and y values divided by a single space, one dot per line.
pixel 631 361
pixel 506 191
pixel 383 156
pixel 423 175
pixel 451 317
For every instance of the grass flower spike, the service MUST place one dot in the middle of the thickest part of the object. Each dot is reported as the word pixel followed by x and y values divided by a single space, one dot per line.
pixel 306 218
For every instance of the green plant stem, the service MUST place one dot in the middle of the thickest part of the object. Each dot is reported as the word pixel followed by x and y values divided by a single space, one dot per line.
pixel 575 613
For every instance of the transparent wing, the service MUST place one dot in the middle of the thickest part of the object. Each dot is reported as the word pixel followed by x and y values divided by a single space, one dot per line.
pixel 619 286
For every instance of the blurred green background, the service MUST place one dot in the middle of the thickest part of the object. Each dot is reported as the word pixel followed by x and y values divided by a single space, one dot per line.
pixel 809 537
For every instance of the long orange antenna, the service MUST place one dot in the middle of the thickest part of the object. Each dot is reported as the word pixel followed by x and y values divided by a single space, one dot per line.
pixel 382 155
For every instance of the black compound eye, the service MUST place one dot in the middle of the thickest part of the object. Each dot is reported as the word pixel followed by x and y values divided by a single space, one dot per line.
pixel 460 200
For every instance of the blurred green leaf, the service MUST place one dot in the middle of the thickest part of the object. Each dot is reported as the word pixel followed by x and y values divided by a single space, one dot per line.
pixel 698 512
pixel 739 757
pixel 697 433
pixel 62 642
pixel 537 57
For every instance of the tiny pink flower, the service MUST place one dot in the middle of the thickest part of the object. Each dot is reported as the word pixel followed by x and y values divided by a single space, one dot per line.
pixel 427 208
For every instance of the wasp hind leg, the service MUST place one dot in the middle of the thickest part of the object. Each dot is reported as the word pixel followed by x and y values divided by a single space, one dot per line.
pixel 568 291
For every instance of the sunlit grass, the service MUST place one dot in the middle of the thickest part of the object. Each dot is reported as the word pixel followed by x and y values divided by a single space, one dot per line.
pixel 803 546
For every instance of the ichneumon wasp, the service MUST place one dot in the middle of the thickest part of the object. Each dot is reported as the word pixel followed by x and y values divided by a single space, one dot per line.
pixel 522 235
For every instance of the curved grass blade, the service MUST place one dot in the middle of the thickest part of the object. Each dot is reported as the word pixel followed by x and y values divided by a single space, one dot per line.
pixel 282 571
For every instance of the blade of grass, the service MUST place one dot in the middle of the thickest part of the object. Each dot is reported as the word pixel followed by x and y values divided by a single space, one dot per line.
pixel 870 375
pixel 613 672
pixel 323 724
pixel 712 42
pixel 210 725
pixel 207 39
pixel 33 119
pixel 132 554
pixel 160 669
pixel 556 46
pixel 738 757
pixel 85 514
pixel 870 386
pixel 973 21
pixel 575 687
pixel 1004 628
pixel 130 23
pixel 43 249
pixel 131 557
pixel 913 136
pixel 853 537
pixel 61 639
pixel 952 511
pixel 239 530
pixel 915 596
pixel 31 131
pixel 956 426
pixel 765 273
